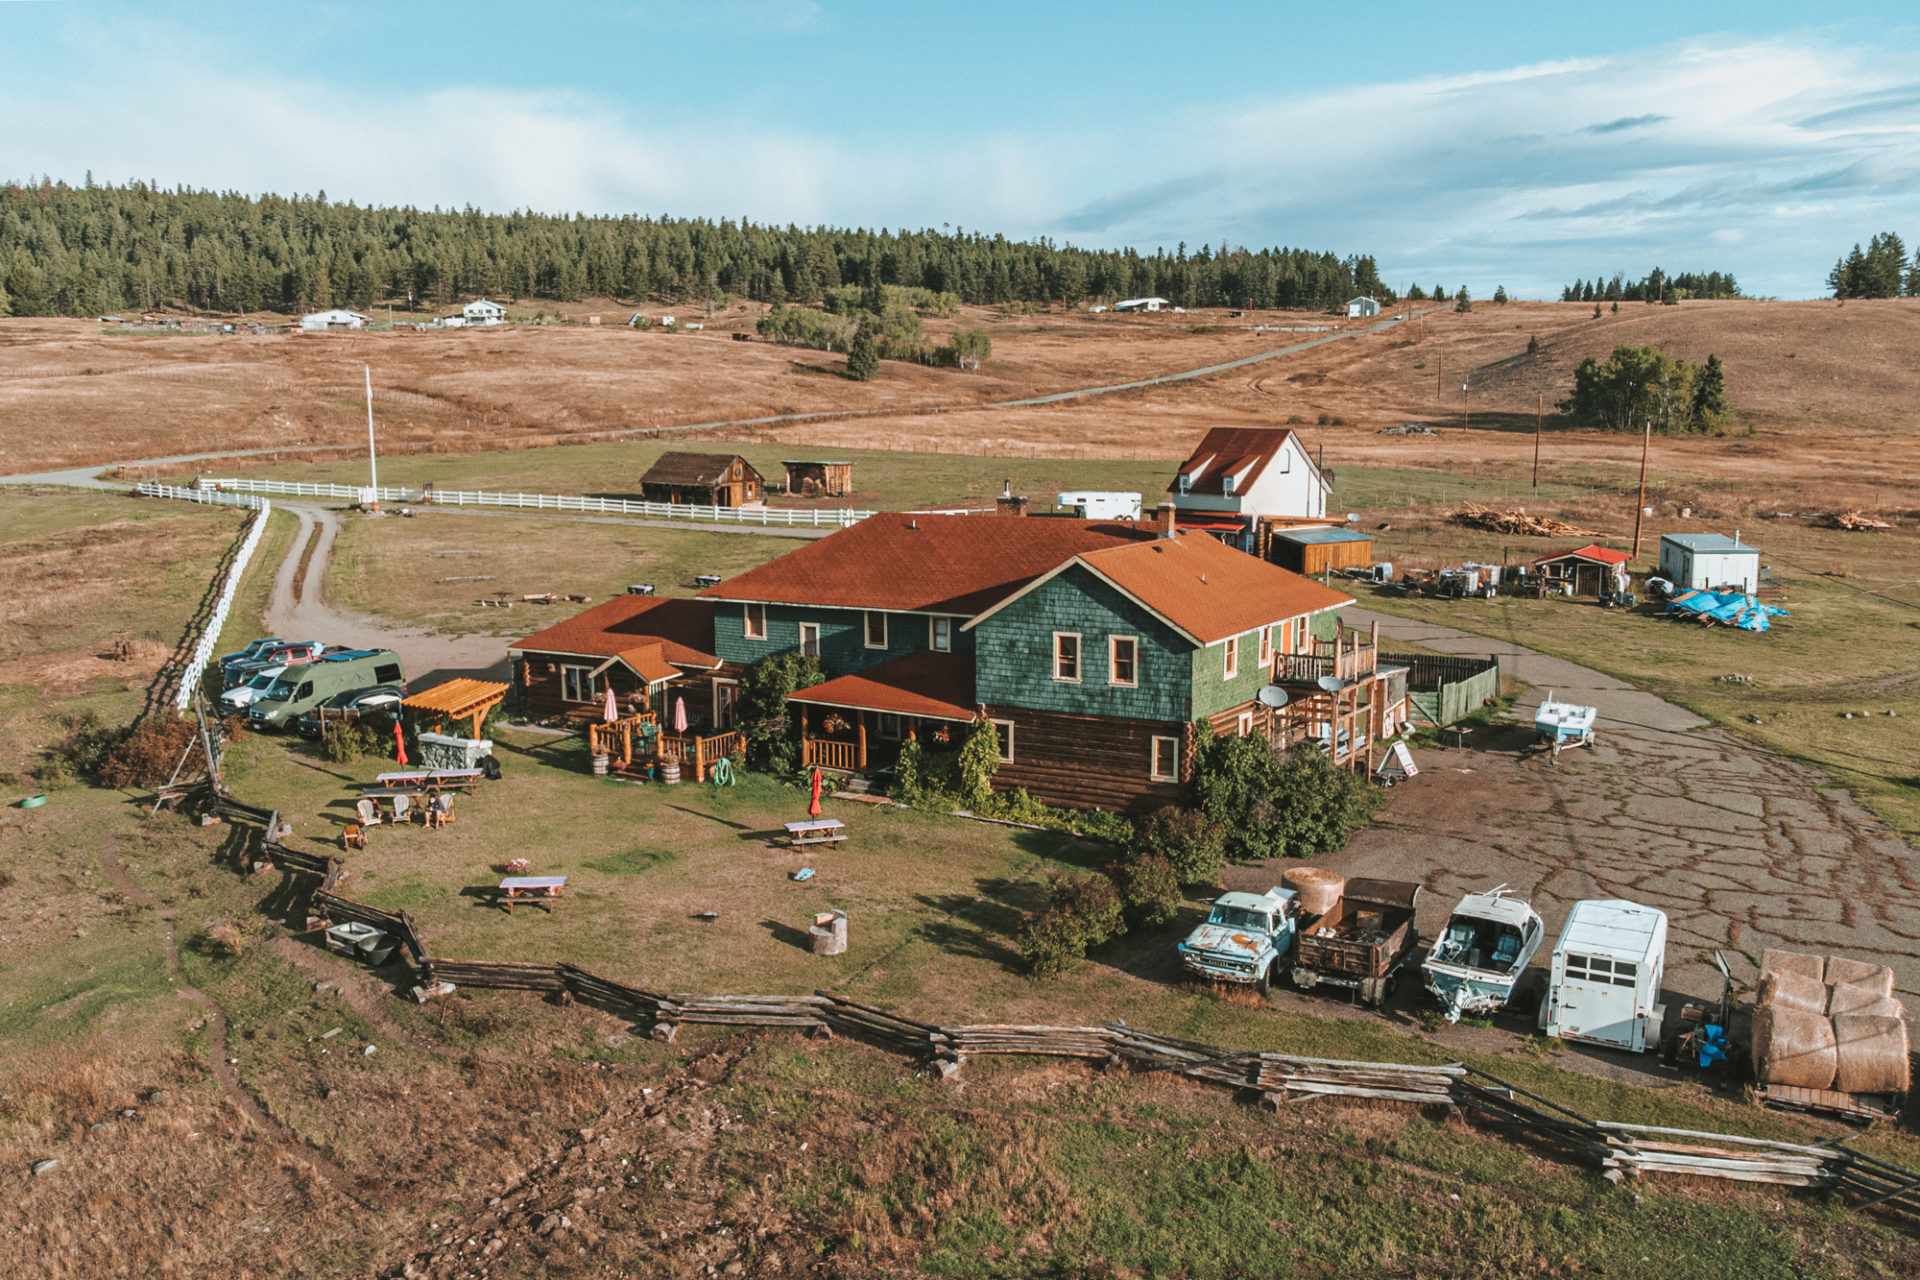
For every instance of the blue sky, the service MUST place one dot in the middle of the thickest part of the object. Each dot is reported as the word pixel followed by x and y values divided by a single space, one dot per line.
pixel 1483 144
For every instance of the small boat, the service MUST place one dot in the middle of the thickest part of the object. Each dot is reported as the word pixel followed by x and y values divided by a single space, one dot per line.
pixel 1564 724
pixel 1480 956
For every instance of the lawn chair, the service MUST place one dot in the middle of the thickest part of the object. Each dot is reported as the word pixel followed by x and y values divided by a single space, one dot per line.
pixel 401 814
pixel 354 836
pixel 440 810
pixel 369 813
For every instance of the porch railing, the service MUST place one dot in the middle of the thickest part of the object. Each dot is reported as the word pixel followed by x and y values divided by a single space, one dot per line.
pixel 825 753
pixel 700 753
pixel 1348 662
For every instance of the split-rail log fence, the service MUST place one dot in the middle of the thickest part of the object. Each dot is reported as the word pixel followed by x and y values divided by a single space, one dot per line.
pixel 1617 1149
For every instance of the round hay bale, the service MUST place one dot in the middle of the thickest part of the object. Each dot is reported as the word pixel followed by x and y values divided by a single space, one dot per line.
pixel 1862 997
pixel 1789 990
pixel 1319 888
pixel 1773 961
pixel 1872 1054
pixel 1794 1047
pixel 1858 973
pixel 1878 1007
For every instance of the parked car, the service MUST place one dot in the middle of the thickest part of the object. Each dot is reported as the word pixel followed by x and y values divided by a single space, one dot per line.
pixel 253 650
pixel 378 706
pixel 1245 939
pixel 284 654
pixel 304 687
pixel 237 699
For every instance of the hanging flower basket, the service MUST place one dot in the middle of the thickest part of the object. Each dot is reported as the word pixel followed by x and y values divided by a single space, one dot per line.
pixel 943 735
pixel 835 723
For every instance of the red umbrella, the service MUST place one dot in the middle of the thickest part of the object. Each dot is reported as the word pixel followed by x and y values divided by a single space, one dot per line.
pixel 399 743
pixel 813 810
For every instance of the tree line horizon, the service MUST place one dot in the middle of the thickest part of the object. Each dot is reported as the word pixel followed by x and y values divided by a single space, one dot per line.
pixel 93 249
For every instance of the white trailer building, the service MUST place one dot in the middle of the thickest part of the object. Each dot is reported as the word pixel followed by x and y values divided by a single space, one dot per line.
pixel 1709 561
pixel 1093 504
pixel 1604 987
pixel 1141 304
pixel 320 321
pixel 1358 308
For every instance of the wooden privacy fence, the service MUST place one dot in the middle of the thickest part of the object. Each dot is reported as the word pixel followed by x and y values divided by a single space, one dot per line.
pixel 1619 1150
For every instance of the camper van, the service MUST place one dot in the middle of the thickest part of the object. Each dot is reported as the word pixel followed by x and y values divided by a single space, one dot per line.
pixel 310 684
pixel 1604 987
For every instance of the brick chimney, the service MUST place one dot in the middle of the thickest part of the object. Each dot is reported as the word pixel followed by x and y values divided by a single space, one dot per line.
pixel 1164 519
pixel 1008 504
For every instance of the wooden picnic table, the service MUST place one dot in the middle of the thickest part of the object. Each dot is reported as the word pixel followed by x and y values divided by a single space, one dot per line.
pixel 816 831
pixel 442 778
pixel 539 890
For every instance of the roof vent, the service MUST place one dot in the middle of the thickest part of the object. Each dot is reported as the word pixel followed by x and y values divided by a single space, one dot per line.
pixel 1203 579
pixel 913 524
pixel 1006 490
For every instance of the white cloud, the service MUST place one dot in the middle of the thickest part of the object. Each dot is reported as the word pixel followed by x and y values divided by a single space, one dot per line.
pixel 1763 158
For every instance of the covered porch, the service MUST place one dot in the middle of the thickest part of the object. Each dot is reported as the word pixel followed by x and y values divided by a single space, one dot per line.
pixel 857 724
pixel 1339 695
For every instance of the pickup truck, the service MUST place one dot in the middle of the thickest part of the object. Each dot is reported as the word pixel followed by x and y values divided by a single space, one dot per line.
pixel 1245 939
pixel 1362 943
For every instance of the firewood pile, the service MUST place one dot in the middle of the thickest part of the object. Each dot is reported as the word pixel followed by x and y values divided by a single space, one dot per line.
pixel 1855 520
pixel 1477 515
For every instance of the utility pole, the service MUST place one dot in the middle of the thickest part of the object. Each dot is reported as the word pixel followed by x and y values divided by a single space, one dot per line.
pixel 1640 512
pixel 373 463
pixel 1539 424
pixel 1466 414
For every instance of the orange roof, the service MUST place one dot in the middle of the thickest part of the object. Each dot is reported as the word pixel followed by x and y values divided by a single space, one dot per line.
pixel 682 630
pixel 459 697
pixel 1228 451
pixel 1592 551
pixel 649 662
pixel 1206 589
pixel 938 686
pixel 924 563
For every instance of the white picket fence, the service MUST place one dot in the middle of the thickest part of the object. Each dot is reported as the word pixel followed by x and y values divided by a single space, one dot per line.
pixel 236 573
pixel 820 518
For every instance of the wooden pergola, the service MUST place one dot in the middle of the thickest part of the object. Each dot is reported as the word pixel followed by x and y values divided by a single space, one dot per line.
pixel 459 699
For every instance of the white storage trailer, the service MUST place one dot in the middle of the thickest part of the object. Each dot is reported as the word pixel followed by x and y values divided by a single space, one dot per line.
pixel 1094 504
pixel 1709 561
pixel 1604 987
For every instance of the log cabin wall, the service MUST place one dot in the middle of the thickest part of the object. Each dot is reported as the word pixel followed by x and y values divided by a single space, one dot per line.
pixel 1090 762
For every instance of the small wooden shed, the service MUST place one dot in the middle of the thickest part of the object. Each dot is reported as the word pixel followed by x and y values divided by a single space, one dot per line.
pixel 1590 569
pixel 1318 551
pixel 819 479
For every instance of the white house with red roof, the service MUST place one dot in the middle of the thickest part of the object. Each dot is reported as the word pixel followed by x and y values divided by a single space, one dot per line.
pixel 1239 477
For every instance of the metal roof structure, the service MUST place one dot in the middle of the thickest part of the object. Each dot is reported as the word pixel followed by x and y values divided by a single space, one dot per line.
pixel 1713 543
pixel 1614 927
pixel 1321 537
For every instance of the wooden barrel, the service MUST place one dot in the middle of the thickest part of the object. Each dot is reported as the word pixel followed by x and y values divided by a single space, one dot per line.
pixel 600 761
pixel 670 772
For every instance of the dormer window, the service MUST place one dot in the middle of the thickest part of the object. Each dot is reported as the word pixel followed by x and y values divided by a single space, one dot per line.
pixel 1227 482
pixel 1186 482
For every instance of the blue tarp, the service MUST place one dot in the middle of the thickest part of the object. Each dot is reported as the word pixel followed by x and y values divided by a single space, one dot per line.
pixel 1730 608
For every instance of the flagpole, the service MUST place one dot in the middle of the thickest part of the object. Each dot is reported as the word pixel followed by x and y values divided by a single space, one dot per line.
pixel 373 463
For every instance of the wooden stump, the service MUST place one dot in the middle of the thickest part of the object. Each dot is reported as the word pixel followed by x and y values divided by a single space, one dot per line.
pixel 829 933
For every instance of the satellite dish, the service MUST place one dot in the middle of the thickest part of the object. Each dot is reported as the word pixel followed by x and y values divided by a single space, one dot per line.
pixel 1272 696
pixel 1332 684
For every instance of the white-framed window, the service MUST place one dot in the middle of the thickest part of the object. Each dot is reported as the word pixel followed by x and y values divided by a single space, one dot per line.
pixel 1232 648
pixel 1066 656
pixel 876 629
pixel 940 635
pixel 890 726
pixel 1165 764
pixel 1003 729
pixel 756 622
pixel 725 694
pixel 1266 647
pixel 1123 660
pixel 578 684
pixel 809 639
pixel 1245 725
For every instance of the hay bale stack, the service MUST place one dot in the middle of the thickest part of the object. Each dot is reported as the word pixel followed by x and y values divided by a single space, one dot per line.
pixel 1319 888
pixel 1789 990
pixel 1793 1047
pixel 1844 1002
pixel 1854 973
pixel 1773 960
pixel 1871 1054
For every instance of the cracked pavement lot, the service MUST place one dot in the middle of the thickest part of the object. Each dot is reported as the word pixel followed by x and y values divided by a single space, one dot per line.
pixel 1743 849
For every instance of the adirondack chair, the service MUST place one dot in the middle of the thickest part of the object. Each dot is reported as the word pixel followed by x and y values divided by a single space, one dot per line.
pixel 369 813
pixel 401 814
pixel 353 835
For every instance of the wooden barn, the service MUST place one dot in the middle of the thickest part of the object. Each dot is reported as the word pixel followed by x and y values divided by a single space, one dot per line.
pixel 703 480
pixel 1315 552
pixel 1589 570
pixel 819 479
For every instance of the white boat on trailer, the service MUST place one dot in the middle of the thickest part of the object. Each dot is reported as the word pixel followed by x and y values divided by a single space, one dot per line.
pixel 1564 724
pixel 1482 954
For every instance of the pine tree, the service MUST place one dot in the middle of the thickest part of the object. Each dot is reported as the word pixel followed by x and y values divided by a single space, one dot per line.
pixel 1500 295
pixel 1533 344
pixel 1885 263
pixel 1913 277
pixel 863 355
pixel 1462 303
pixel 1710 406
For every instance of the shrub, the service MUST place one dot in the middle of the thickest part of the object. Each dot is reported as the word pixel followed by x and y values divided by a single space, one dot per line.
pixel 1273 806
pixel 1083 912
pixel 221 938
pixel 340 743
pixel 979 758
pixel 147 755
pixel 1325 418
pixel 771 735
pixel 1149 890
pixel 1191 843
pixel 863 353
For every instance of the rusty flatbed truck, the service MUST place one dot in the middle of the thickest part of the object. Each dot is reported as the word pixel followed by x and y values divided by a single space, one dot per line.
pixel 1363 943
